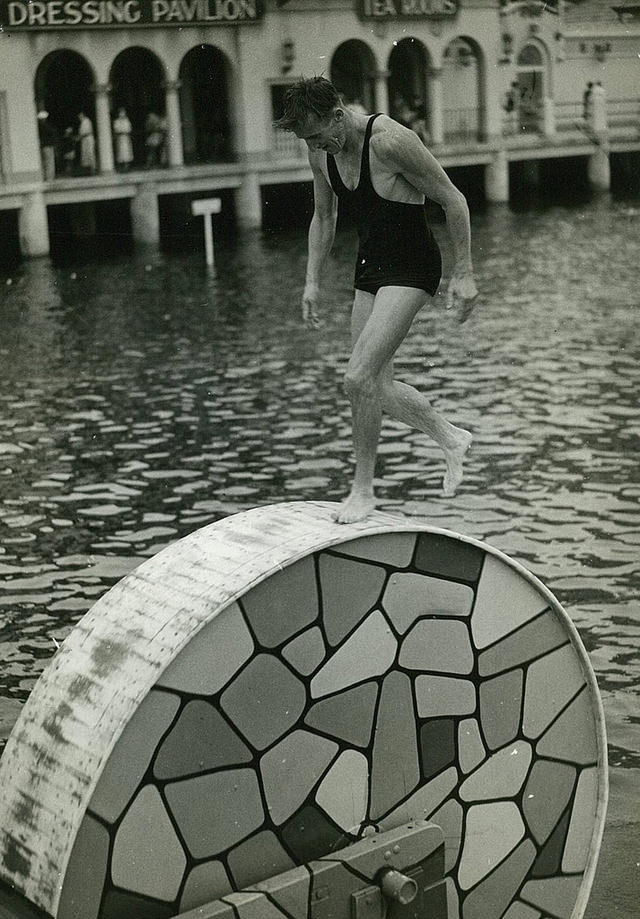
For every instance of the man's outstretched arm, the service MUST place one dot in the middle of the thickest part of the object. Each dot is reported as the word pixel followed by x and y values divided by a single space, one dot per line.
pixel 404 153
pixel 322 231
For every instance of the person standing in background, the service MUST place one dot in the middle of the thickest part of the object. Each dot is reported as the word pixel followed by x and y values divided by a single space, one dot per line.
pixel 122 136
pixel 411 116
pixel 48 140
pixel 419 121
pixel 154 129
pixel 87 144
pixel 510 106
pixel 586 102
pixel 598 109
pixel 68 151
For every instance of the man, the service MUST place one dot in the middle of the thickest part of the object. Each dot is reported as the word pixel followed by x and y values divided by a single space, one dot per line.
pixel 154 139
pixel 586 102
pixel 511 108
pixel 388 172
pixel 48 140
pixel 87 143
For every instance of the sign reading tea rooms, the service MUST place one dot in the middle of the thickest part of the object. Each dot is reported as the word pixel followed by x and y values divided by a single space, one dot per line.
pixel 407 9
pixel 36 15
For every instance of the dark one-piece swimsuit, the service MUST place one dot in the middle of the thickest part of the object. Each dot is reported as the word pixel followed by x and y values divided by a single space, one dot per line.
pixel 396 245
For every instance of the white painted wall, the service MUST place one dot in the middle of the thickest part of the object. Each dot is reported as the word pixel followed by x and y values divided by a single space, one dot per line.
pixel 254 53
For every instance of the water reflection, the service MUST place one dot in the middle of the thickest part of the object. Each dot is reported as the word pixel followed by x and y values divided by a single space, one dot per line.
pixel 142 399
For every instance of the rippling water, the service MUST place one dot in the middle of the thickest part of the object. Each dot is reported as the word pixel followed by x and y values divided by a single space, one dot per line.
pixel 141 399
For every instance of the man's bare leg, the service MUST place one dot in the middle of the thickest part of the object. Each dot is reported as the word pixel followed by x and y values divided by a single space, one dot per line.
pixel 366 414
pixel 379 326
pixel 400 401
pixel 406 404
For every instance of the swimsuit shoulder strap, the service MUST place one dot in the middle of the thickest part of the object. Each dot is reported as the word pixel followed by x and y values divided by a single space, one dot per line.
pixel 365 169
pixel 334 176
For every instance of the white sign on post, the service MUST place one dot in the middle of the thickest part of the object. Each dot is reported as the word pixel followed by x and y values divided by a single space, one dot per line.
pixel 206 207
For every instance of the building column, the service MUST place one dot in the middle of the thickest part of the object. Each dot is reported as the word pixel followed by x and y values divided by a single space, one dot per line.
pixel 496 178
pixel 381 91
pixel 145 215
pixel 33 226
pixel 599 167
pixel 175 152
pixel 102 93
pixel 249 202
pixel 434 94
pixel 549 117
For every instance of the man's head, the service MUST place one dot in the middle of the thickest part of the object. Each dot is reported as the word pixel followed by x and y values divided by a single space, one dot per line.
pixel 315 97
pixel 315 112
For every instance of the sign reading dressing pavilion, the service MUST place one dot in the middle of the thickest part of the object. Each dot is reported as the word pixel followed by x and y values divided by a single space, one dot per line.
pixel 407 9
pixel 36 15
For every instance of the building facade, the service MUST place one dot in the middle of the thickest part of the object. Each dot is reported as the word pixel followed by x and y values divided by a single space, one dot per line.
pixel 138 99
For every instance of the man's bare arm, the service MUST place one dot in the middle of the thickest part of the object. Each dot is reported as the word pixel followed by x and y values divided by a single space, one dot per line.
pixel 322 231
pixel 404 153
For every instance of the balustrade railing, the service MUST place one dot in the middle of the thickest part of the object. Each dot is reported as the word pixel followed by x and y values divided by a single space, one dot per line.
pixel 623 114
pixel 523 121
pixel 286 146
pixel 569 116
pixel 461 124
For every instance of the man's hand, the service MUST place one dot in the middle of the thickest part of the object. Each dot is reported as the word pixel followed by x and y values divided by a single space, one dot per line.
pixel 310 299
pixel 461 293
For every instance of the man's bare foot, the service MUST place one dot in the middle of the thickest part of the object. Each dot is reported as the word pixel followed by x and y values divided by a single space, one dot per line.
pixel 454 457
pixel 355 507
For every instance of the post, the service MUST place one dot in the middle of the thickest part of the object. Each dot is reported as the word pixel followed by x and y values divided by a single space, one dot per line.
pixel 175 152
pixel 599 168
pixel 208 240
pixel 249 201
pixel 206 207
pixel 497 178
pixel 380 91
pixel 145 215
pixel 33 225
pixel 436 120
pixel 103 127
pixel 549 117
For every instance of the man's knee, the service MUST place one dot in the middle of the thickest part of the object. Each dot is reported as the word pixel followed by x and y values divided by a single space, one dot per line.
pixel 360 383
pixel 351 382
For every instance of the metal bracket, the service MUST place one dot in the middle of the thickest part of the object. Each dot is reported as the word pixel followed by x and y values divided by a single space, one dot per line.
pixel 368 904
pixel 430 901
pixel 348 884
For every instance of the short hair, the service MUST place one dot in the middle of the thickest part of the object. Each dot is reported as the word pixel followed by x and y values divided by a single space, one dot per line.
pixel 315 96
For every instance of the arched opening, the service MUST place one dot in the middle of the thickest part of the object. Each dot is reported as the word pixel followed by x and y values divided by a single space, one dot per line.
pixel 531 70
pixel 204 104
pixel 63 89
pixel 461 96
pixel 408 85
pixel 137 81
pixel 353 74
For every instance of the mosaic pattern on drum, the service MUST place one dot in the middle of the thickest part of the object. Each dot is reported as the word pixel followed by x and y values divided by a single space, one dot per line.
pixel 393 677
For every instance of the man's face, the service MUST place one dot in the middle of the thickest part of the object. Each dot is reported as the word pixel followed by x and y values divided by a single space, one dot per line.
pixel 326 134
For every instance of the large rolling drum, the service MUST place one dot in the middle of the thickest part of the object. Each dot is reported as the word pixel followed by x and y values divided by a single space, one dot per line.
pixel 276 686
